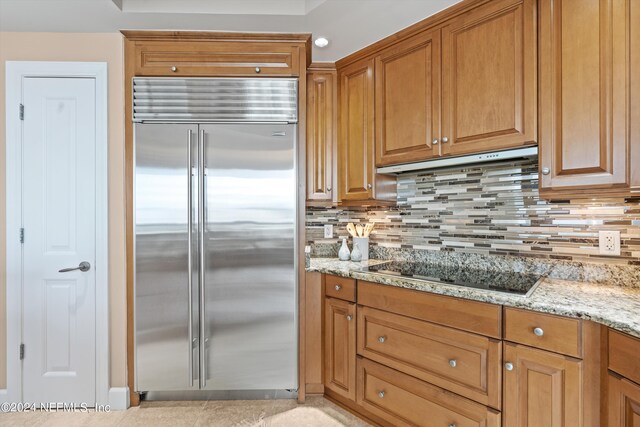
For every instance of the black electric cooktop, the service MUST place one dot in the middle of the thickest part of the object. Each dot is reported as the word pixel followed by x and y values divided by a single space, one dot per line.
pixel 509 282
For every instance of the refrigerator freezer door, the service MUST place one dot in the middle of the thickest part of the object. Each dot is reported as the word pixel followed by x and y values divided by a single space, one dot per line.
pixel 166 353
pixel 250 329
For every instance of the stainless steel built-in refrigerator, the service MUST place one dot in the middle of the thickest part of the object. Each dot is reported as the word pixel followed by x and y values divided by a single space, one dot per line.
pixel 215 226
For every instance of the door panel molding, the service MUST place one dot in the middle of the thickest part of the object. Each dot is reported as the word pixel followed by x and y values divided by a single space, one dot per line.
pixel 16 72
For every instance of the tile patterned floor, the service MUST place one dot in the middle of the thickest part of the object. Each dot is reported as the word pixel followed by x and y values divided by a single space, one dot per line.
pixel 232 413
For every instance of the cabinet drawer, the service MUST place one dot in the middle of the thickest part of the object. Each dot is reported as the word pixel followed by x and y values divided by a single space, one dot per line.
pixel 193 58
pixel 406 401
pixel 624 355
pixel 554 333
pixel 472 316
pixel 465 363
pixel 340 287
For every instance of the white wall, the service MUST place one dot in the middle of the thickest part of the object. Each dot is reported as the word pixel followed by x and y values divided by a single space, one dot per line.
pixel 78 47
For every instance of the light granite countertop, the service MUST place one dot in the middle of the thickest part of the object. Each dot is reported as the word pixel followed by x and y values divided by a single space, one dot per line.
pixel 614 306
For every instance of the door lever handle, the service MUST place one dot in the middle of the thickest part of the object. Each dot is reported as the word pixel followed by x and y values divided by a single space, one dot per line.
pixel 83 266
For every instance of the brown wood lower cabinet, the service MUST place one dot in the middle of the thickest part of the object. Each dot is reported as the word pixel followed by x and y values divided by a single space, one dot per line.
pixel 406 401
pixel 541 389
pixel 400 357
pixel 340 347
pixel 624 402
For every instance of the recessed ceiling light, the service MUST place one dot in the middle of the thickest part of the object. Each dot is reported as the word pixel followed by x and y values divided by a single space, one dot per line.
pixel 321 42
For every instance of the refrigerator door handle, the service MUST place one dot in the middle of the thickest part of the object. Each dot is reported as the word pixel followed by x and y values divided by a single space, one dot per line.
pixel 201 264
pixel 189 255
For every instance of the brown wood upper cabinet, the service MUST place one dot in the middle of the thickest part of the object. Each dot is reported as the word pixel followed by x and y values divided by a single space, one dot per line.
pixel 476 76
pixel 321 133
pixel 357 178
pixel 584 50
pixel 223 58
pixel 489 78
pixel 407 100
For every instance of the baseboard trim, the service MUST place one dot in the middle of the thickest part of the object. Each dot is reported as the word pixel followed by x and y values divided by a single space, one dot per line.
pixel 119 398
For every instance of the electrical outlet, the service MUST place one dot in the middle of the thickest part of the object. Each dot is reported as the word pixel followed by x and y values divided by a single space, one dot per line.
pixel 609 242
pixel 328 231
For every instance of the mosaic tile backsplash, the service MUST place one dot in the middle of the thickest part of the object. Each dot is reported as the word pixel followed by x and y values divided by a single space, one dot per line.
pixel 490 209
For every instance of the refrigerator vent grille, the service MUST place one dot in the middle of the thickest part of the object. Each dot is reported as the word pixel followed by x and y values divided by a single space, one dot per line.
pixel 215 100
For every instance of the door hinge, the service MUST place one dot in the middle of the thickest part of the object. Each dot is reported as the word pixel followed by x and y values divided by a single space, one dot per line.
pixel 21 112
pixel 22 235
pixel 21 351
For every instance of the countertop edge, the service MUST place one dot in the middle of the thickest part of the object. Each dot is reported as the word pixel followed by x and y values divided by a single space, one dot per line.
pixel 599 312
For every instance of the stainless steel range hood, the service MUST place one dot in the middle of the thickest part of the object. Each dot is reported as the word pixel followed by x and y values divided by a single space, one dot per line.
pixel 518 153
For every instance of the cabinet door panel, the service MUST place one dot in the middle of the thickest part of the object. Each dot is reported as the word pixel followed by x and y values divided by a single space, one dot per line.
pixel 584 127
pixel 624 403
pixel 489 78
pixel 321 113
pixel 543 390
pixel 408 100
pixel 356 131
pixel 340 347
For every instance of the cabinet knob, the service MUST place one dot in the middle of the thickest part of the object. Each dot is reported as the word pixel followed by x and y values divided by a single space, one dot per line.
pixel 381 394
pixel 453 363
pixel 445 139
pixel 338 287
pixel 174 68
pixel 508 366
pixel 369 186
pixel 538 332
pixel 382 338
pixel 546 171
pixel 452 425
pixel 349 317
pixel 328 188
pixel 258 70
pixel 434 142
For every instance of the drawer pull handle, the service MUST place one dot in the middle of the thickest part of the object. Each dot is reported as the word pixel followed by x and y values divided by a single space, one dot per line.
pixel 174 68
pixel 338 287
pixel 453 363
pixel 382 338
pixel 381 394
pixel 538 332
pixel 349 317
pixel 508 366
pixel 258 70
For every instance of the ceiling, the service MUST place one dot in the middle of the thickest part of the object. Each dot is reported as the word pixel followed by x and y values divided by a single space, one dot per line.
pixel 348 24
pixel 224 7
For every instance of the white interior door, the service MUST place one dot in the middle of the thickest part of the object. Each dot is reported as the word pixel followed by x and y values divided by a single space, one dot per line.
pixel 59 206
